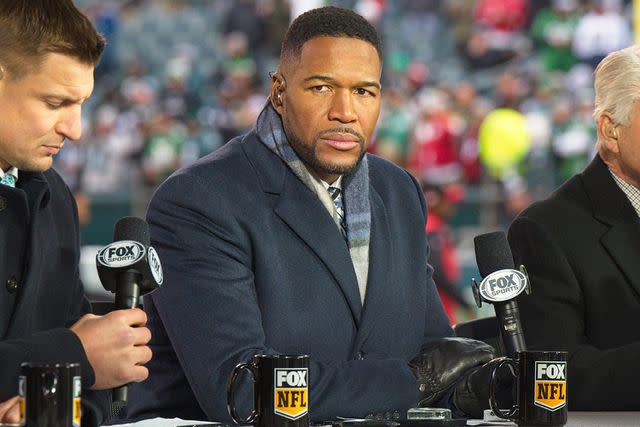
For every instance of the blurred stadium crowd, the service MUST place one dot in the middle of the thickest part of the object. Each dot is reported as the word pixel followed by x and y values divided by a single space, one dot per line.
pixel 487 102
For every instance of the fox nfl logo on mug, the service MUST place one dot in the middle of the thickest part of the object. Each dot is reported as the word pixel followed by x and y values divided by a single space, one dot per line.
pixel 291 396
pixel 550 385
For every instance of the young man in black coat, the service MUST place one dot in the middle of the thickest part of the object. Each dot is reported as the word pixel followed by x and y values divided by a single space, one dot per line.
pixel 48 50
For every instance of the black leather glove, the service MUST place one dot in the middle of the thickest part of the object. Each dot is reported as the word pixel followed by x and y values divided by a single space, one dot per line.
pixel 471 396
pixel 444 362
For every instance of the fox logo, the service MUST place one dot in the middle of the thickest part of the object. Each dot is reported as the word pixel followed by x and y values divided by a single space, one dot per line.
pixel 550 387
pixel 291 392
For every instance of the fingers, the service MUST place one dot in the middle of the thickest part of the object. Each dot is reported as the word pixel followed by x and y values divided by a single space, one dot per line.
pixel 10 411
pixel 137 317
pixel 4 406
pixel 13 416
pixel 130 316
pixel 142 336
pixel 141 355
pixel 139 374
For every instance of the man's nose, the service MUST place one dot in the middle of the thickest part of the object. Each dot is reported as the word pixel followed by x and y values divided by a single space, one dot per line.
pixel 342 108
pixel 70 124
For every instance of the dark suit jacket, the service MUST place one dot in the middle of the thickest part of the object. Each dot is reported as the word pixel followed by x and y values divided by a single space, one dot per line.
pixel 39 248
pixel 581 248
pixel 254 263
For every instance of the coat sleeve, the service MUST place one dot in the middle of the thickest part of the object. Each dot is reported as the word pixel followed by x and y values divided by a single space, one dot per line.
pixel 212 316
pixel 553 318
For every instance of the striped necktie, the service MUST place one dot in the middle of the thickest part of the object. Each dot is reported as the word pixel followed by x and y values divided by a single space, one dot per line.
pixel 9 180
pixel 336 195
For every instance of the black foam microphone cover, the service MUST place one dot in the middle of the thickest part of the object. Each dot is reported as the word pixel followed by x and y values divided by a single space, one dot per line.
pixel 132 228
pixel 492 252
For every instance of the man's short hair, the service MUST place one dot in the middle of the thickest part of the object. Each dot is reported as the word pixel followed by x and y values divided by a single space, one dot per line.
pixel 327 21
pixel 30 29
pixel 617 84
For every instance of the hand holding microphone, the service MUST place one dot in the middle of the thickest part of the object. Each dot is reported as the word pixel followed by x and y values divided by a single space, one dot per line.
pixel 130 267
pixel 116 346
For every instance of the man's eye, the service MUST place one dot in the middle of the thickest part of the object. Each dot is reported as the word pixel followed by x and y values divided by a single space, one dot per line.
pixel 363 92
pixel 320 88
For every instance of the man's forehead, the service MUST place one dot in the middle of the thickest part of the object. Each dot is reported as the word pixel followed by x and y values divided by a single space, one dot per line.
pixel 322 55
pixel 328 45
pixel 65 76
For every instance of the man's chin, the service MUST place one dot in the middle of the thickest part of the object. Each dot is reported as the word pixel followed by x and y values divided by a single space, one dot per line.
pixel 338 168
pixel 40 165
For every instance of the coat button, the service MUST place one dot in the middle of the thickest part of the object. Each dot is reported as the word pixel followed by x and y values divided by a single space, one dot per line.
pixel 359 356
pixel 3 203
pixel 12 285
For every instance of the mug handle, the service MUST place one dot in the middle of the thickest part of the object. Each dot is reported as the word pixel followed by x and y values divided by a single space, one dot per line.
pixel 230 402
pixel 499 363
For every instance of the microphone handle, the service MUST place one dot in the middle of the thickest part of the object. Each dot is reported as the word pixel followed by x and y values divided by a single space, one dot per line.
pixel 127 296
pixel 510 327
pixel 127 289
pixel 120 394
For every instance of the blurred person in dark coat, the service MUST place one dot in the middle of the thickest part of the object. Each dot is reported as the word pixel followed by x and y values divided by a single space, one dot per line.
pixel 442 201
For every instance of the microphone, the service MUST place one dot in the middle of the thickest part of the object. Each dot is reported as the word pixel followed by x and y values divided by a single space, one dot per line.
pixel 501 284
pixel 129 267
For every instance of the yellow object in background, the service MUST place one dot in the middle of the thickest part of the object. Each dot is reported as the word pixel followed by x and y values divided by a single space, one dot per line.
pixel 503 141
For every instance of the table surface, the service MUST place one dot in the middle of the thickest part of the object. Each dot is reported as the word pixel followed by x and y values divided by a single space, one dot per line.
pixel 603 419
pixel 576 419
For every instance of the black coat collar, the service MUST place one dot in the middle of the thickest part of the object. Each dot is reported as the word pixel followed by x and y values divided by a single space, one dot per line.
pixel 611 207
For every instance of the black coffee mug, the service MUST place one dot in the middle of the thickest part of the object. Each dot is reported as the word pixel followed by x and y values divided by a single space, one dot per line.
pixel 541 381
pixel 50 394
pixel 280 391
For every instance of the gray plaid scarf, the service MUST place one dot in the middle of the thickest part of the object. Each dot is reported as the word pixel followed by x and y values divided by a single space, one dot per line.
pixel 355 190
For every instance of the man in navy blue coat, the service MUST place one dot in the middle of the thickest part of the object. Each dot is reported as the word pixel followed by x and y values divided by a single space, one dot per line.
pixel 293 240
pixel 47 54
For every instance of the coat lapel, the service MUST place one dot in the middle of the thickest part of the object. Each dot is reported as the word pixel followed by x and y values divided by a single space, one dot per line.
pixel 37 189
pixel 14 232
pixel 611 207
pixel 303 212
pixel 622 242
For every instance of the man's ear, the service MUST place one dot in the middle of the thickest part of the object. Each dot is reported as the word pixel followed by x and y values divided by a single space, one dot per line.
pixel 608 132
pixel 277 91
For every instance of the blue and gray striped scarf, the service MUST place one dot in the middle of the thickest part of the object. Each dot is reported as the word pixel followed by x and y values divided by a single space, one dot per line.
pixel 355 190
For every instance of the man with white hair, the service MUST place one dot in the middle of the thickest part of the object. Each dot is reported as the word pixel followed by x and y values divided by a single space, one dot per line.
pixel 581 248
